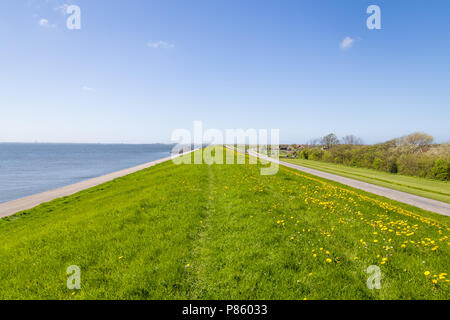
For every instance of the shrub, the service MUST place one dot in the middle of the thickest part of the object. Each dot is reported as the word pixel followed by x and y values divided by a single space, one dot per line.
pixel 304 154
pixel 388 157
pixel 378 164
pixel 441 169
pixel 392 165
pixel 316 154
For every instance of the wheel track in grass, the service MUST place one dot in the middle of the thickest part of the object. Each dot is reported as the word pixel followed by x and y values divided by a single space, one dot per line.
pixel 198 267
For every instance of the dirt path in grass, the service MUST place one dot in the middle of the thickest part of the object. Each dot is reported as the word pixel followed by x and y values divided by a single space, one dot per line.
pixel 15 206
pixel 411 199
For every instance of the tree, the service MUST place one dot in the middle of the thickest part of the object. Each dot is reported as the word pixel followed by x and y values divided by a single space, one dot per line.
pixel 420 139
pixel 352 140
pixel 417 140
pixel 313 142
pixel 330 140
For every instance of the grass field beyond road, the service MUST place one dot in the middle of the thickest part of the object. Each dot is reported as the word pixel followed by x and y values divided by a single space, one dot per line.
pixel 433 189
pixel 223 232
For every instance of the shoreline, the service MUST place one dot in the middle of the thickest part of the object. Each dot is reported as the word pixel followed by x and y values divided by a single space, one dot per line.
pixel 15 206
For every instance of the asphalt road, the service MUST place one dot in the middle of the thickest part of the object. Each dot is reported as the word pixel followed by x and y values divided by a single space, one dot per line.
pixel 417 201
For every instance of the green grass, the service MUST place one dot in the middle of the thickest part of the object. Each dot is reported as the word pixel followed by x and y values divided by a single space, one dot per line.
pixel 223 232
pixel 433 189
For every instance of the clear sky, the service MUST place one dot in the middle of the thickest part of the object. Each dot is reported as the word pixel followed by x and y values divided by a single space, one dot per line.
pixel 138 69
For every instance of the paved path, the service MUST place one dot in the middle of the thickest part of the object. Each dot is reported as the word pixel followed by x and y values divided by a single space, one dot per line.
pixel 12 207
pixel 408 198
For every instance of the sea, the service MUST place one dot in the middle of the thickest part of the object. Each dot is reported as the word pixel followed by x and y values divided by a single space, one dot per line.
pixel 30 168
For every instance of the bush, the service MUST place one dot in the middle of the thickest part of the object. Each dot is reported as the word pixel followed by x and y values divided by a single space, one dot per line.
pixel 393 167
pixel 315 154
pixel 378 164
pixel 441 169
pixel 388 157
pixel 304 154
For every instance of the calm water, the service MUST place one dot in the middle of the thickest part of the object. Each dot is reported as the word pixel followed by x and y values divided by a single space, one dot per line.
pixel 26 169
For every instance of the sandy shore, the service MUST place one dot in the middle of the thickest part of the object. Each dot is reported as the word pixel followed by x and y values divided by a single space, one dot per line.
pixel 12 207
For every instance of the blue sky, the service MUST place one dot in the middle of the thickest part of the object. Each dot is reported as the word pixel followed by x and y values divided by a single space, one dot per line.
pixel 138 69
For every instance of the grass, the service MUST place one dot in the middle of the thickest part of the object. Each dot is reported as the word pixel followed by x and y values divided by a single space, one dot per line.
pixel 433 189
pixel 223 232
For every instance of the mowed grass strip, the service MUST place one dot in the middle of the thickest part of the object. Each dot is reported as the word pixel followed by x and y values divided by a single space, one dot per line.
pixel 223 232
pixel 433 189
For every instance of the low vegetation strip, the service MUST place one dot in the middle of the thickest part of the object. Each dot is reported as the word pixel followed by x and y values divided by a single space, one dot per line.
pixel 433 189
pixel 412 155
pixel 224 232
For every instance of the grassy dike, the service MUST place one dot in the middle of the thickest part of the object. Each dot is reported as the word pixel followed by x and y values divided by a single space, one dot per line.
pixel 224 232
pixel 433 189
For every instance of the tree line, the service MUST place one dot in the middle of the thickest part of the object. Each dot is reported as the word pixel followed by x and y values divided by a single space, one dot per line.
pixel 414 154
